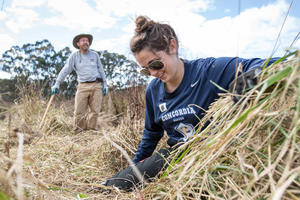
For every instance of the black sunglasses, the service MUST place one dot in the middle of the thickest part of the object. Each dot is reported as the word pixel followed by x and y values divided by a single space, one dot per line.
pixel 154 65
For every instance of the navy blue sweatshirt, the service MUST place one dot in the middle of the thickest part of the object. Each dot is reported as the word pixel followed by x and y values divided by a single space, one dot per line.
pixel 176 112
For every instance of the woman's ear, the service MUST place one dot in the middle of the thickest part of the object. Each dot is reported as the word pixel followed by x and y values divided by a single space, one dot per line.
pixel 173 46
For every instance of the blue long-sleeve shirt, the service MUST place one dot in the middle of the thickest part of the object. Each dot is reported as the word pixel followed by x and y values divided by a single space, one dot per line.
pixel 176 112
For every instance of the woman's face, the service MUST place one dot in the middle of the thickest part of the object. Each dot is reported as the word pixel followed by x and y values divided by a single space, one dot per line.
pixel 167 72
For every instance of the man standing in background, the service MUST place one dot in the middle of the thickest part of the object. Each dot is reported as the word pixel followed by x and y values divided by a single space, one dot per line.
pixel 91 80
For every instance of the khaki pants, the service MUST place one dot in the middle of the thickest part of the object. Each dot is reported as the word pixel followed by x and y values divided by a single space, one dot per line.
pixel 88 97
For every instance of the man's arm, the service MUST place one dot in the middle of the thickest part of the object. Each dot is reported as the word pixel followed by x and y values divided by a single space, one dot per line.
pixel 66 70
pixel 101 71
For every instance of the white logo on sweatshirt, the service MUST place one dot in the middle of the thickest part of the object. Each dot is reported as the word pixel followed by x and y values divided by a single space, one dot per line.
pixel 163 107
pixel 193 84
pixel 187 130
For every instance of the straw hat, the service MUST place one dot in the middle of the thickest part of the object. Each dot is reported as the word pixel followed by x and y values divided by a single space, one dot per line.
pixel 77 38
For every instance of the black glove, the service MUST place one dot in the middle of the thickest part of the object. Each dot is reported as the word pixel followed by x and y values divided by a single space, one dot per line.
pixel 244 83
pixel 149 168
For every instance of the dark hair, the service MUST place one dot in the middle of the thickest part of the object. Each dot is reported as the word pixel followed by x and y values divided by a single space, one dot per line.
pixel 152 35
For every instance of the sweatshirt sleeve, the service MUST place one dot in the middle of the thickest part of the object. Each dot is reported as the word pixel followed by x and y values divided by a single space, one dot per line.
pixel 66 70
pixel 222 70
pixel 152 132
pixel 101 71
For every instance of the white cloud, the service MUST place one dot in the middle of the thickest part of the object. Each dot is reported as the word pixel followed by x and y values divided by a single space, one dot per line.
pixel 19 15
pixel 6 42
pixel 27 3
pixel 164 9
pixel 78 15
pixel 20 18
pixel 3 15
pixel 81 15
pixel 251 34
pixel 254 31
pixel 4 75
pixel 117 45
pixel 178 13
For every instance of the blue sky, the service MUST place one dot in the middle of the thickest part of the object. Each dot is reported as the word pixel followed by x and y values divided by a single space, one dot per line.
pixel 205 28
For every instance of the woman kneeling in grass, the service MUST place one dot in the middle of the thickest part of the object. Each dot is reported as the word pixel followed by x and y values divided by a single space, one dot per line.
pixel 178 85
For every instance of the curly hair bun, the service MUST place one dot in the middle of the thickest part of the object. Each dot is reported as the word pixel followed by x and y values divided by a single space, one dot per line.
pixel 142 24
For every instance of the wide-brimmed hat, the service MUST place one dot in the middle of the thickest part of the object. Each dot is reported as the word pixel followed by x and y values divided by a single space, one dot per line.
pixel 77 38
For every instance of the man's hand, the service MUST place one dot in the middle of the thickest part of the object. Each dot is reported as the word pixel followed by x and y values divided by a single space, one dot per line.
pixel 104 90
pixel 54 89
pixel 244 83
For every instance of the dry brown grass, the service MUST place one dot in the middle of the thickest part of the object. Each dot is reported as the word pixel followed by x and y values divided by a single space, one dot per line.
pixel 249 151
pixel 58 164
